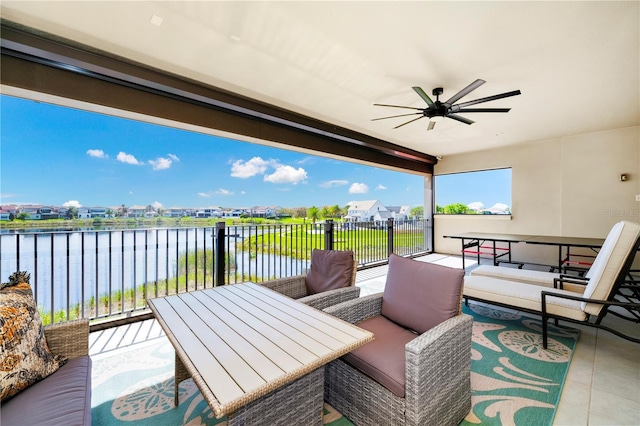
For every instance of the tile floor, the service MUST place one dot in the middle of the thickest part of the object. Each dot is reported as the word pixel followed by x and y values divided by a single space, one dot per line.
pixel 602 386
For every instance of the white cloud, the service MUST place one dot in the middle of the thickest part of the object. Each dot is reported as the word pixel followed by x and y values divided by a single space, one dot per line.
pixel 500 206
pixel 97 153
pixel 476 205
pixel 380 187
pixel 123 157
pixel 173 157
pixel 161 163
pixel 334 183
pixel 358 188
pixel 72 203
pixel 210 194
pixel 157 205
pixel 286 174
pixel 130 192
pixel 243 192
pixel 245 169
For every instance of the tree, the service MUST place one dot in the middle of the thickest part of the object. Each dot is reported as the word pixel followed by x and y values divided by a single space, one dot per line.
pixel 72 212
pixel 313 213
pixel 417 212
pixel 336 211
pixel 326 212
pixel 456 208
pixel 109 213
pixel 22 216
pixel 122 212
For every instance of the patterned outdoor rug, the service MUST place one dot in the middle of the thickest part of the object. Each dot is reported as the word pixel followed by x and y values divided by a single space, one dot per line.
pixel 514 381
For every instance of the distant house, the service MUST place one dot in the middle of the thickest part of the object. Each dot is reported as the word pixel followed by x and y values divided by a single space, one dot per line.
pixel 209 212
pixel 47 213
pixel 233 213
pixel 399 213
pixel 136 211
pixel 32 212
pixel 92 212
pixel 265 211
pixel 5 215
pixel 366 211
pixel 174 212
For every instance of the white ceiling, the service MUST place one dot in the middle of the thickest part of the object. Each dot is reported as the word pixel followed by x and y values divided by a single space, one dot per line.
pixel 576 63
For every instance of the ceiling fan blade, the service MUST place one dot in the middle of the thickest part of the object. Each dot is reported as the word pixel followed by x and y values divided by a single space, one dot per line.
pixel 410 121
pixel 432 124
pixel 489 98
pixel 394 116
pixel 484 110
pixel 460 119
pixel 423 95
pixel 464 92
pixel 398 106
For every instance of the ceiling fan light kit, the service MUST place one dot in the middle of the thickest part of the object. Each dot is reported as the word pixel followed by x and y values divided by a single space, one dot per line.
pixel 437 111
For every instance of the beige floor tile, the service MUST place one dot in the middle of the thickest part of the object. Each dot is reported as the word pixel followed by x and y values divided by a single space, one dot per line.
pixel 610 409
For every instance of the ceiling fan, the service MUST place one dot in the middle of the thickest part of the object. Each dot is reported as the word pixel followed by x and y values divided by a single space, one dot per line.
pixel 438 110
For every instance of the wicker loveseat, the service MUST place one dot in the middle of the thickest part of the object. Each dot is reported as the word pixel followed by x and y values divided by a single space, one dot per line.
pixel 407 375
pixel 64 397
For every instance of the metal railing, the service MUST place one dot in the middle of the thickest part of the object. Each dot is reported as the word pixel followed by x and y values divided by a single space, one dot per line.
pixel 109 274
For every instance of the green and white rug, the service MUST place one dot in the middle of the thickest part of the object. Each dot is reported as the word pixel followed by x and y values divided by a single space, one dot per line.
pixel 514 381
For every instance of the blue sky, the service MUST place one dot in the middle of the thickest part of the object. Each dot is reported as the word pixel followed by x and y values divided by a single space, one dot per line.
pixel 482 190
pixel 54 155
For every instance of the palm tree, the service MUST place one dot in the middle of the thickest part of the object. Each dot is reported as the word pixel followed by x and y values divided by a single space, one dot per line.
pixel 336 211
pixel 313 213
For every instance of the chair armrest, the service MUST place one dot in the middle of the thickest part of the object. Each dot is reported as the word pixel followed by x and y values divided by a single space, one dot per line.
pixel 294 287
pixel 438 373
pixel 575 284
pixel 357 310
pixel 331 297
pixel 69 339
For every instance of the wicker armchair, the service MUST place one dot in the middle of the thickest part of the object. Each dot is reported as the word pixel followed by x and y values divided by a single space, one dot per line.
pixel 437 369
pixel 417 371
pixel 296 288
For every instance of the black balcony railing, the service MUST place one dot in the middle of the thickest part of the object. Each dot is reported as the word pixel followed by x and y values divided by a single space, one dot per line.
pixel 110 274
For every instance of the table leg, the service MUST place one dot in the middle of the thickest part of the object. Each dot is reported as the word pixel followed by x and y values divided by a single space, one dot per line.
pixel 181 374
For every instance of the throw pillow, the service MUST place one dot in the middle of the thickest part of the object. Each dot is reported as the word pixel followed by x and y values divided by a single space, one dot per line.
pixel 330 269
pixel 24 355
pixel 421 295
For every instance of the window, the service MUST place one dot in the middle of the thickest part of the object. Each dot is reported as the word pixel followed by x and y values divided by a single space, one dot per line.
pixel 486 192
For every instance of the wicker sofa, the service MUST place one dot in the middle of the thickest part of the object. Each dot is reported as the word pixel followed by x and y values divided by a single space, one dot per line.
pixel 407 375
pixel 63 398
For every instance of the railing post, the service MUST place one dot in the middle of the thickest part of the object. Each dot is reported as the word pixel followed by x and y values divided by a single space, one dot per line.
pixel 389 236
pixel 219 253
pixel 328 235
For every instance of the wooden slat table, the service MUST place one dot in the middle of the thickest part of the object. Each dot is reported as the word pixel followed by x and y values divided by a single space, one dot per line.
pixel 255 354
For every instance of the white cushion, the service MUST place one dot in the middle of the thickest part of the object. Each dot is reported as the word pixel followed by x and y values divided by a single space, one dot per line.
pixel 521 295
pixel 609 262
pixel 521 275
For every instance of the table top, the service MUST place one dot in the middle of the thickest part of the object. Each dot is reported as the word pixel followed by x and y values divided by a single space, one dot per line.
pixel 490 236
pixel 242 341
pixel 532 239
pixel 566 241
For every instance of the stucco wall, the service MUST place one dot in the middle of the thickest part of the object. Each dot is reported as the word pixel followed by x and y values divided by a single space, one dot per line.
pixel 569 186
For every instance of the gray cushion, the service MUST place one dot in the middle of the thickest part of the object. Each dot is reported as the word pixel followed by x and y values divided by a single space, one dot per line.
pixel 63 398
pixel 383 359
pixel 330 269
pixel 420 295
